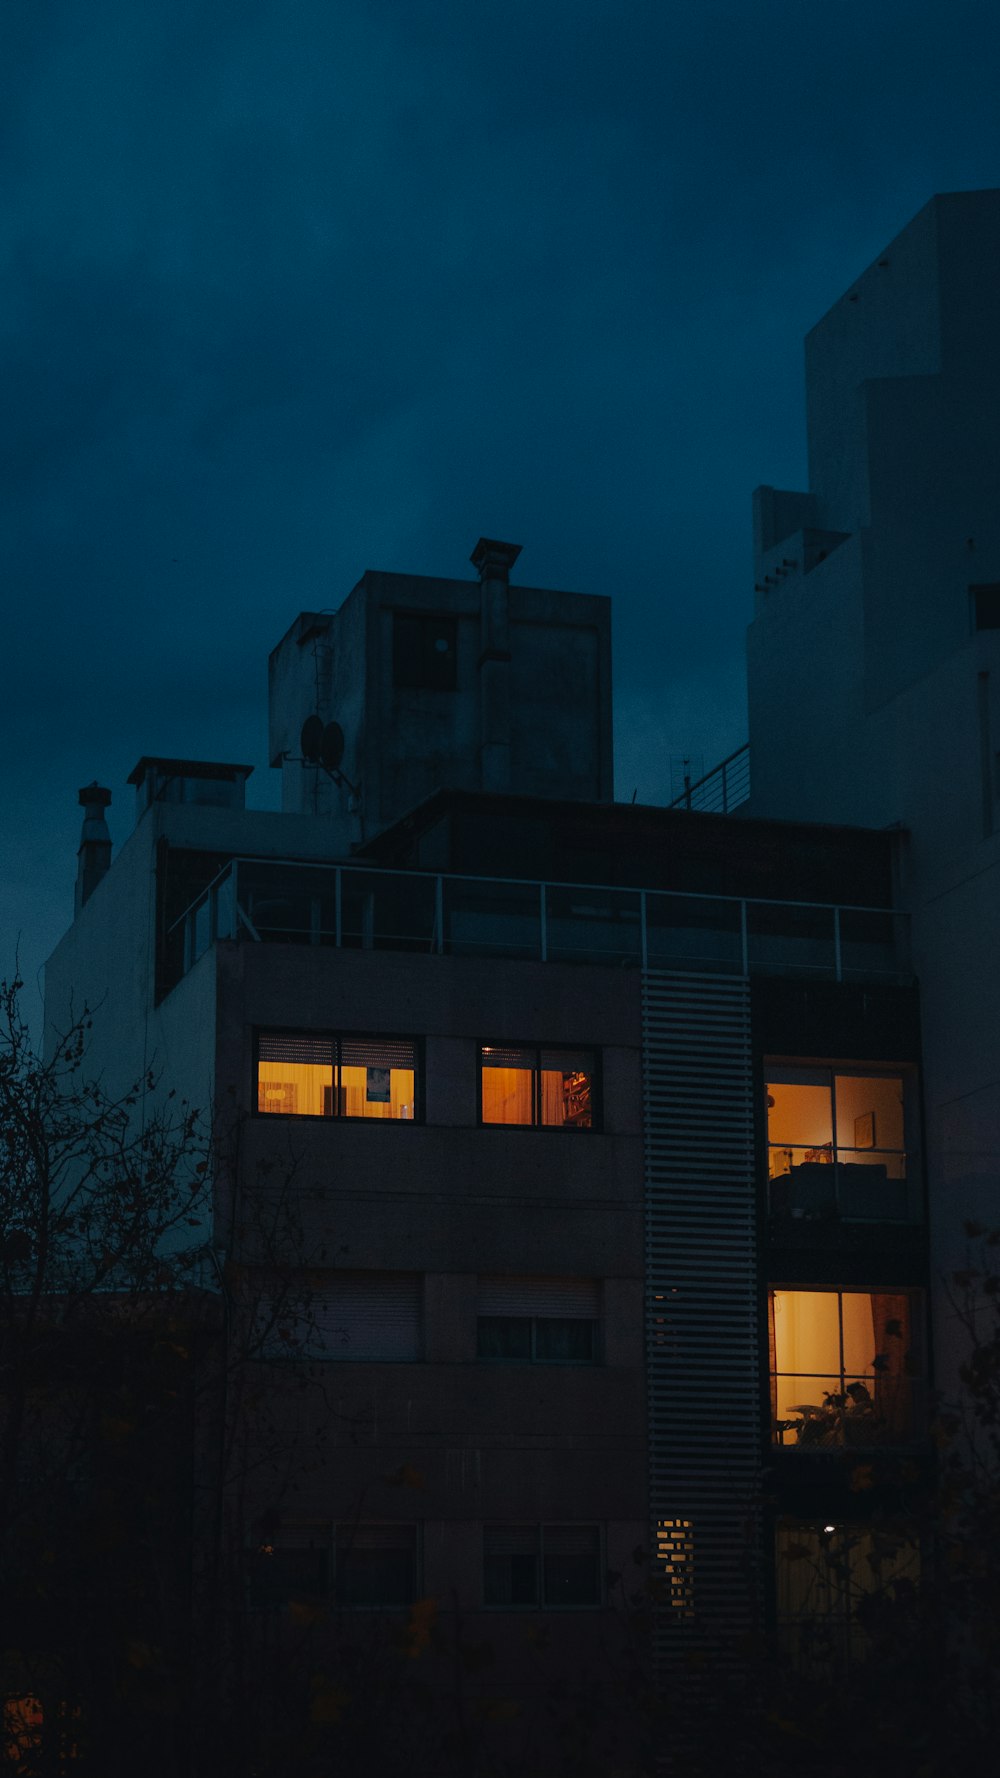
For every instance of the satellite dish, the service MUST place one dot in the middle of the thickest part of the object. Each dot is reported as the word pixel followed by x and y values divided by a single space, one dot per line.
pixel 311 739
pixel 331 746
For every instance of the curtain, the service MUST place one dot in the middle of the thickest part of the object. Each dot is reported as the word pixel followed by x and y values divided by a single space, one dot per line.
pixel 893 1387
pixel 772 1361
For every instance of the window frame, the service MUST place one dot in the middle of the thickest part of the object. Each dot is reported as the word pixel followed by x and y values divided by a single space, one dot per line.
pixel 789 1071
pixel 534 1357
pixel 537 1286
pixel 328 1546
pixel 338 1037
pixel 917 1311
pixel 541 1603
pixel 537 1050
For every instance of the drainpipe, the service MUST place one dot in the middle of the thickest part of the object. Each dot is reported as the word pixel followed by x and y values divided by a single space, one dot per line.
pixel 94 854
pixel 493 562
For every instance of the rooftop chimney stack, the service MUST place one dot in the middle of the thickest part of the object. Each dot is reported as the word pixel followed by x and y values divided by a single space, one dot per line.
pixel 94 855
pixel 493 562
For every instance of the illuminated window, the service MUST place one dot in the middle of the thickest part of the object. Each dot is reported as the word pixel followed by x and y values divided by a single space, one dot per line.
pixel 22 1729
pixel 544 1567
pixel 843 1367
pixel 365 1564
pixel 837 1143
pixel 675 1558
pixel 424 651
pixel 538 1320
pixel 538 1088
pixel 332 1076
pixel 827 1577
pixel 351 1316
pixel 40 1737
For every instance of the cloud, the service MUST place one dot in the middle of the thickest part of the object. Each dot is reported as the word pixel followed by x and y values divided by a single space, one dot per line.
pixel 293 290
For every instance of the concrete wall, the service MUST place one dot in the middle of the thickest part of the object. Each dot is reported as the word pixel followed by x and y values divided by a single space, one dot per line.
pixel 106 963
pixel 450 1200
pixel 871 699
pixel 549 689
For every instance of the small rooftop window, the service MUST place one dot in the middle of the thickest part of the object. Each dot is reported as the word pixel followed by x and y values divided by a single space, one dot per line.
pixel 985 606
pixel 424 652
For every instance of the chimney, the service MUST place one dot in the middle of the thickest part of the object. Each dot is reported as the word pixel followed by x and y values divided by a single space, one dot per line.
pixel 493 562
pixel 94 855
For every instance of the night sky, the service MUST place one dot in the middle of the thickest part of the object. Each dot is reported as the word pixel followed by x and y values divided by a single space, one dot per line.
pixel 300 287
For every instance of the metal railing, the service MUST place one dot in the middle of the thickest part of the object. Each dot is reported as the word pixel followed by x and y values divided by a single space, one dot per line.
pixel 356 908
pixel 722 789
pixel 848 1185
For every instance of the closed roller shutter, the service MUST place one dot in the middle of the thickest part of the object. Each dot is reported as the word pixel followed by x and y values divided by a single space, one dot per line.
pixel 377 1052
pixel 367 1315
pixel 283 1046
pixel 560 1298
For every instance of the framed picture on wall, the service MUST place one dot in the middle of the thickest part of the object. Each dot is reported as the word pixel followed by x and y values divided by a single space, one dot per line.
pixel 864 1130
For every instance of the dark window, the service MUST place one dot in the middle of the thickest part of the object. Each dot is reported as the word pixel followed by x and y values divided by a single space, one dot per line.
pixel 281 1571
pixel 348 1316
pixel 329 1076
pixel 354 1565
pixel 538 1320
pixel 538 1088
pixel 986 607
pixel 376 1564
pixel 424 652
pixel 544 1567
pixel 826 1577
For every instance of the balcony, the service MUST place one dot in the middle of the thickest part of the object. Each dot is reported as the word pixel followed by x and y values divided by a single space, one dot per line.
pixel 853 1186
pixel 349 907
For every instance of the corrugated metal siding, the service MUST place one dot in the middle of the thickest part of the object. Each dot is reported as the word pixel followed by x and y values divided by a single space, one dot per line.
pixel 702 1317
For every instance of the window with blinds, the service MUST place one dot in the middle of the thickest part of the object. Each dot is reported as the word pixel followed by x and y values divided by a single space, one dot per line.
pixel 368 1564
pixel 533 1088
pixel 538 1320
pixel 351 1316
pixel 336 1075
pixel 542 1567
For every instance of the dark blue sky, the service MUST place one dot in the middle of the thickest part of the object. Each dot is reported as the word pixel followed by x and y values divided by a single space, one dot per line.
pixel 293 288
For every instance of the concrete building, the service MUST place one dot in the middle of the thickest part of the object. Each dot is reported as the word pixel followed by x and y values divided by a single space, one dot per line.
pixel 573 1145
pixel 874 652
pixel 532 670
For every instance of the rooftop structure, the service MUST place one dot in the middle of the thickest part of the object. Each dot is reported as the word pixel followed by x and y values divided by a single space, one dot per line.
pixel 609 1118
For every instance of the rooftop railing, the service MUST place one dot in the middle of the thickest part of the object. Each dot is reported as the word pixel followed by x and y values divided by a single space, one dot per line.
pixel 351 907
pixel 722 789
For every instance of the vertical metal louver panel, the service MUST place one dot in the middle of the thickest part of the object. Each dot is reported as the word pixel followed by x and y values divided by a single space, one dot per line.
pixel 702 1316
pixel 569 1298
pixel 366 1315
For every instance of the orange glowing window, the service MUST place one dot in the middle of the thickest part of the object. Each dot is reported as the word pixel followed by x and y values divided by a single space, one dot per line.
pixel 39 1737
pixel 538 1088
pixel 844 1367
pixel 22 1729
pixel 823 1115
pixel 336 1076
